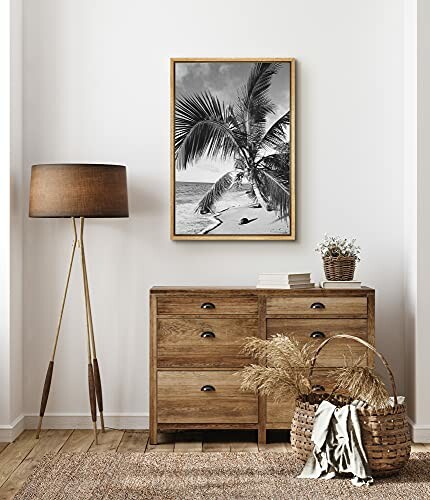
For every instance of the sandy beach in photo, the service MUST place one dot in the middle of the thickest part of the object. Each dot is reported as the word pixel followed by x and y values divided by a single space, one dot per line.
pixel 234 206
pixel 262 222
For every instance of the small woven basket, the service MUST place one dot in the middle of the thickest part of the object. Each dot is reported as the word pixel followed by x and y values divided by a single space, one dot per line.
pixel 384 433
pixel 339 268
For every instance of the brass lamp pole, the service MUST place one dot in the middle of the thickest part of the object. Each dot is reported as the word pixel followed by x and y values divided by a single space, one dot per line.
pixel 78 191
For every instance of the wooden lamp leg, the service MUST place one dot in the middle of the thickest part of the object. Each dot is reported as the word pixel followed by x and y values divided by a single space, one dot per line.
pixel 92 394
pixel 48 376
pixel 97 378
pixel 91 384
pixel 99 393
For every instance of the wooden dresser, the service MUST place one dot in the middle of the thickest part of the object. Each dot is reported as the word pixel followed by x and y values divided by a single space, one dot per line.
pixel 197 334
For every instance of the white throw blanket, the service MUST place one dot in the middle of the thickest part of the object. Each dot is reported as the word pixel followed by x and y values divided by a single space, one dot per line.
pixel 338 448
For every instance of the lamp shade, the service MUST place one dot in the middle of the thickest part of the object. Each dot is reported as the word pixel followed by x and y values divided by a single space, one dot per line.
pixel 78 190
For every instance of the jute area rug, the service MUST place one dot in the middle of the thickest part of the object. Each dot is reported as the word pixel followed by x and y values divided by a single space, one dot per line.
pixel 212 476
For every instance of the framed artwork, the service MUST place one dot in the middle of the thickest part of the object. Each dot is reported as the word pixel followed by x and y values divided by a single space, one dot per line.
pixel 232 149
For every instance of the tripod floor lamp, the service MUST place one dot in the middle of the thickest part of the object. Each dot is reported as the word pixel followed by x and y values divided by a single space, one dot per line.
pixel 78 191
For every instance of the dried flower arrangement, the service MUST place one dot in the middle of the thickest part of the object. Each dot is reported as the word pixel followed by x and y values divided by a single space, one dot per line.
pixel 361 382
pixel 335 246
pixel 287 366
pixel 287 370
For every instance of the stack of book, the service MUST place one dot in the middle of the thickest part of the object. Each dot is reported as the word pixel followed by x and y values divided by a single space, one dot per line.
pixel 285 280
pixel 341 284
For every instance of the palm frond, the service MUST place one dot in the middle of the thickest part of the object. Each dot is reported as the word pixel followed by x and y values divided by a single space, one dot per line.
pixel 275 136
pixel 254 96
pixel 278 162
pixel 203 127
pixel 240 126
pixel 222 185
pixel 274 187
pixel 253 103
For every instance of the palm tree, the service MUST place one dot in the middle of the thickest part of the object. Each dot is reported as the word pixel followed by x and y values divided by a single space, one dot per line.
pixel 206 127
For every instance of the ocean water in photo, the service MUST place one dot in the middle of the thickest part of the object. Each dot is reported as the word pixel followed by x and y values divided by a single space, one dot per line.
pixel 187 197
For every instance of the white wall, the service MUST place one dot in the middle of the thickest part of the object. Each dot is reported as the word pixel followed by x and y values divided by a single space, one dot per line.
pixel 11 210
pixel 418 370
pixel 16 211
pixel 423 157
pixel 96 89
pixel 410 203
pixel 417 207
pixel 5 214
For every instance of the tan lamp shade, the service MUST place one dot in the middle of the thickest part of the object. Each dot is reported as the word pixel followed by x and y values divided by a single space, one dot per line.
pixel 78 190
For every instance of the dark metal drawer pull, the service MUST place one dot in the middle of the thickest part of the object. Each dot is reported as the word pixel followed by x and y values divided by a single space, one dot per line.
pixel 317 335
pixel 208 305
pixel 318 388
pixel 317 305
pixel 207 335
pixel 208 388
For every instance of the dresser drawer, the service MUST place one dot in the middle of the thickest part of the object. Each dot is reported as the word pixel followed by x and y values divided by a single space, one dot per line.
pixel 206 343
pixel 180 398
pixel 317 306
pixel 280 413
pixel 317 330
pixel 207 305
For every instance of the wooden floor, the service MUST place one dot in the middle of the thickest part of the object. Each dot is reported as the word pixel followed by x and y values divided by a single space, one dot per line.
pixel 18 459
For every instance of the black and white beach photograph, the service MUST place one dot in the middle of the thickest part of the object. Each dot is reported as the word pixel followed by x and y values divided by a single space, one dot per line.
pixel 233 149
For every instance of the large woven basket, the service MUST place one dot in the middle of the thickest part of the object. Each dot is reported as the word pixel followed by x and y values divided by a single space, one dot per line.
pixel 384 433
pixel 339 268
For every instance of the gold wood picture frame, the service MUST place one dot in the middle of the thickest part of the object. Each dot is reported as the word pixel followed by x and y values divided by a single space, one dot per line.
pixel 232 149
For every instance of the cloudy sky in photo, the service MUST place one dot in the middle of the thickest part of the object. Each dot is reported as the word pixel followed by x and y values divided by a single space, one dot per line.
pixel 224 79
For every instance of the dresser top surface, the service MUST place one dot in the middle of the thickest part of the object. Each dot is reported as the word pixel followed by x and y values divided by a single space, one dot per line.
pixel 252 290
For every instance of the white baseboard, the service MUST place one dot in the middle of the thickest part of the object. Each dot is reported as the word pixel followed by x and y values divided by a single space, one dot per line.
pixel 419 433
pixel 83 421
pixel 9 433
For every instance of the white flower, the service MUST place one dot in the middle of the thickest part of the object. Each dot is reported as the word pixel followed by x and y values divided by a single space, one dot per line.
pixel 335 246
